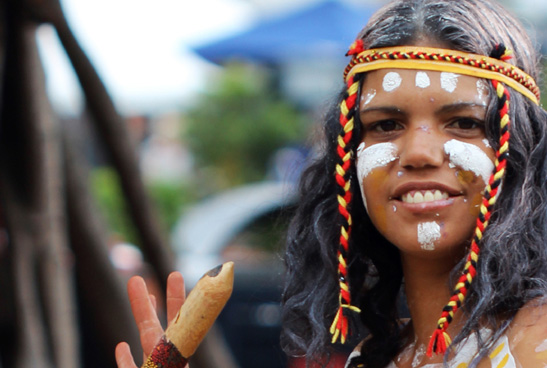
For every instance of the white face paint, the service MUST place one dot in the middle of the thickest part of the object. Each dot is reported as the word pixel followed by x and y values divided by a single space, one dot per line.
pixel 542 347
pixel 482 90
pixel 422 80
pixel 486 143
pixel 418 356
pixel 428 233
pixel 392 81
pixel 469 158
pixel 449 81
pixel 368 97
pixel 375 156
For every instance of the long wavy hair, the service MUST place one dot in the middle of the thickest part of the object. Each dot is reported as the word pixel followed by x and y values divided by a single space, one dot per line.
pixel 511 268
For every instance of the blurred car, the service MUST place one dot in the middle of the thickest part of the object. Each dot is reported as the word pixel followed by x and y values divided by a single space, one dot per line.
pixel 246 225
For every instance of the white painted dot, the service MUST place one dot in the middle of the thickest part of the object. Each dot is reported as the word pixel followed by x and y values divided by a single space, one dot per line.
pixel 449 81
pixel 422 80
pixel 392 81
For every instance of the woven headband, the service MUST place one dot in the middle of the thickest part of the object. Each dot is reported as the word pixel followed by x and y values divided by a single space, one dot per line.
pixel 426 58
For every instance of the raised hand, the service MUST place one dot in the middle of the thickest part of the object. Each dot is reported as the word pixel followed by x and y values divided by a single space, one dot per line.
pixel 143 306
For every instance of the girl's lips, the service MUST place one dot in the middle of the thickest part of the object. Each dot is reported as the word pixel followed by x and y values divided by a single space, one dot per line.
pixel 424 207
pixel 413 187
pixel 425 196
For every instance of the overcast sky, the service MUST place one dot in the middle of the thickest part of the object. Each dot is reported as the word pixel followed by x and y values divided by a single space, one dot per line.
pixel 141 48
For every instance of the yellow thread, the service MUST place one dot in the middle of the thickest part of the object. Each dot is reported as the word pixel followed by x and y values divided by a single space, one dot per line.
pixel 347 186
pixel 447 338
pixel 353 89
pixel 351 307
pixel 492 72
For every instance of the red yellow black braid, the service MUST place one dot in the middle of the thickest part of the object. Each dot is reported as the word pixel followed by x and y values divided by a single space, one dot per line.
pixel 495 69
pixel 339 327
pixel 440 339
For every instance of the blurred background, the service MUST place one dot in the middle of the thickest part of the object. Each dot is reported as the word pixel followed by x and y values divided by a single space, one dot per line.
pixel 143 137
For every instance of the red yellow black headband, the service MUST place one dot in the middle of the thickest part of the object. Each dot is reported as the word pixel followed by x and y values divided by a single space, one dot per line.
pixel 426 58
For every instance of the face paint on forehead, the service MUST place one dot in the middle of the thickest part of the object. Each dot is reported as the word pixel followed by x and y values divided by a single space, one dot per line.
pixel 469 158
pixel 392 81
pixel 449 81
pixel 422 80
pixel 482 91
pixel 367 97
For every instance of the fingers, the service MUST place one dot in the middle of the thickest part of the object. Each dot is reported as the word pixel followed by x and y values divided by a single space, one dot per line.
pixel 124 359
pixel 175 294
pixel 149 326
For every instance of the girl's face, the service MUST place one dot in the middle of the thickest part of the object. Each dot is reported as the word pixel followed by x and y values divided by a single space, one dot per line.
pixel 424 160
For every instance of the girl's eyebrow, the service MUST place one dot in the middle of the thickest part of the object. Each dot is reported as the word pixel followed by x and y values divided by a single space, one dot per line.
pixel 442 110
pixel 385 109
pixel 459 106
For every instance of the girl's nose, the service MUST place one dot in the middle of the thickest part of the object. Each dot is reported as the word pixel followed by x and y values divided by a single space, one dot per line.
pixel 421 147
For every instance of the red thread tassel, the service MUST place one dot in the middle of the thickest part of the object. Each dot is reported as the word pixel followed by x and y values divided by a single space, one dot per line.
pixel 438 343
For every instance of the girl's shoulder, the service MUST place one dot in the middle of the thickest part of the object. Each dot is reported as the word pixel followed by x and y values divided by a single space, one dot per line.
pixel 527 334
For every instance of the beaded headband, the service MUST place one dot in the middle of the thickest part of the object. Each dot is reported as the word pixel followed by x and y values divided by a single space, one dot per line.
pixel 493 68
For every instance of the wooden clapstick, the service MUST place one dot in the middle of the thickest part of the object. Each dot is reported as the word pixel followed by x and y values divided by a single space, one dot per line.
pixel 194 319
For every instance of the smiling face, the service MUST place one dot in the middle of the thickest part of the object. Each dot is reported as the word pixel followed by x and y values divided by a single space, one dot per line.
pixel 424 161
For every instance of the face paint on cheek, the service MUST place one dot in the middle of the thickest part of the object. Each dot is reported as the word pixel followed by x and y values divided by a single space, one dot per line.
pixel 428 233
pixel 373 157
pixel 449 81
pixel 469 158
pixel 465 177
pixel 422 80
pixel 541 351
pixel 392 81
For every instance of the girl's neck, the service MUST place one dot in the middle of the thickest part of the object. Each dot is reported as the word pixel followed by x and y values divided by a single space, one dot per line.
pixel 427 292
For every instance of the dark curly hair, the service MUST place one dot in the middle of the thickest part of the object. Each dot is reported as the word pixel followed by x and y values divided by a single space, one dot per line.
pixel 511 269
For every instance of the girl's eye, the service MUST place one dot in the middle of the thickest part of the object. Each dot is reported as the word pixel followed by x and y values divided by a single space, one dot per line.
pixel 385 126
pixel 466 124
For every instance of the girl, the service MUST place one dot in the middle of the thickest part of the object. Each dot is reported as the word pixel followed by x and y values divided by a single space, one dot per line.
pixel 429 197
pixel 430 190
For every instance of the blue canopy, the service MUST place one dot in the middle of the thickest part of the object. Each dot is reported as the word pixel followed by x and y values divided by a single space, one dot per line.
pixel 322 29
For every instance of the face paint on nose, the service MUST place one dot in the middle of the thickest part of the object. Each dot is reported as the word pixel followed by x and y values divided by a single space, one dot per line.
pixel 449 81
pixel 469 157
pixel 392 81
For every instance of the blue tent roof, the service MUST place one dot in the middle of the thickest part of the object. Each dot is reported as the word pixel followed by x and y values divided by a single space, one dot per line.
pixel 323 29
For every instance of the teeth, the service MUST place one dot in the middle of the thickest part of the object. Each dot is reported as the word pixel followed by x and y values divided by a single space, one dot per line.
pixel 424 196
